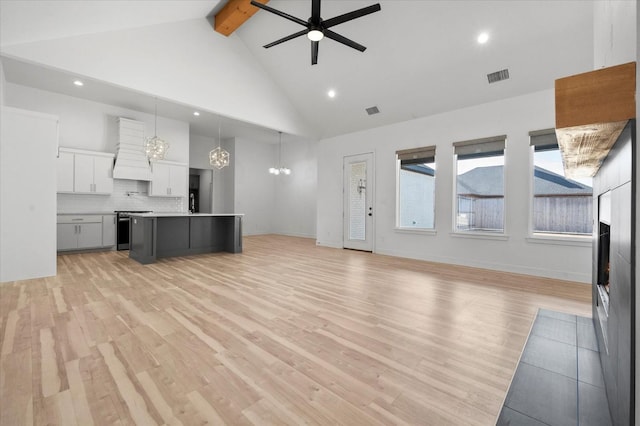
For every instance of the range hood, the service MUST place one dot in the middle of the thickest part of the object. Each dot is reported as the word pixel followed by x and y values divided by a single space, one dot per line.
pixel 131 160
pixel 592 109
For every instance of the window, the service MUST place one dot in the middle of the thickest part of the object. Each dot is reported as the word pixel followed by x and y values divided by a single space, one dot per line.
pixel 560 205
pixel 416 188
pixel 479 198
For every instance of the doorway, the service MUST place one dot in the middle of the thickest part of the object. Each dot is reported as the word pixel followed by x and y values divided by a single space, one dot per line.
pixel 358 190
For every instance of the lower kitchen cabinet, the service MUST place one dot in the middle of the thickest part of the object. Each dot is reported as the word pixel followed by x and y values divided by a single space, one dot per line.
pixel 109 230
pixel 78 232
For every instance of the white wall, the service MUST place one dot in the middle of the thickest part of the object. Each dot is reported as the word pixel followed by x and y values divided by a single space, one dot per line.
pixel 255 188
pixel 244 187
pixel 222 76
pixel 223 179
pixel 295 209
pixel 91 125
pixel 614 32
pixel 199 147
pixel 3 84
pixel 273 204
pixel 27 195
pixel 514 117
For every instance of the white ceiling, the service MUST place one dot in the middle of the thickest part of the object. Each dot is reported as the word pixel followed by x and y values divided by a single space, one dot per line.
pixel 421 58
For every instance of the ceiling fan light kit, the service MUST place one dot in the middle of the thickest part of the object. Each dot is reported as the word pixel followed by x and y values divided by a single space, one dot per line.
pixel 317 28
pixel 315 35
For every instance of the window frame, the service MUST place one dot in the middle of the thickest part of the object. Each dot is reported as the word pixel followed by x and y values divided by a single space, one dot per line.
pixel 415 153
pixel 581 240
pixel 493 235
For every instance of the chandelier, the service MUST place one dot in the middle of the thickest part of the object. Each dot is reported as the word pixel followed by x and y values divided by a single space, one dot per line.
pixel 154 147
pixel 218 157
pixel 279 170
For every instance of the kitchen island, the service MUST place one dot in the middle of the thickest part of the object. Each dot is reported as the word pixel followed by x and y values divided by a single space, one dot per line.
pixel 158 235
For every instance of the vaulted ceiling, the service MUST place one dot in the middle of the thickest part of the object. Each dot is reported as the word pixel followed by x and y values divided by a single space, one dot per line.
pixel 422 58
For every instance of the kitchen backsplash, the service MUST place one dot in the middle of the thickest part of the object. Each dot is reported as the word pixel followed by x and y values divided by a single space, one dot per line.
pixel 127 195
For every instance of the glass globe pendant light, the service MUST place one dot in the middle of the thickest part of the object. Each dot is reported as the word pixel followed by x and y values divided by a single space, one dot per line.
pixel 280 169
pixel 155 148
pixel 218 157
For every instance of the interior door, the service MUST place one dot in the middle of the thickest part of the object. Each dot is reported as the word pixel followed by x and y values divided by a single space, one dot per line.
pixel 358 202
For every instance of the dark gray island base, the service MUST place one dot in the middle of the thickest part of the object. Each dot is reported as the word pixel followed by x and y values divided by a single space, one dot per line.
pixel 154 236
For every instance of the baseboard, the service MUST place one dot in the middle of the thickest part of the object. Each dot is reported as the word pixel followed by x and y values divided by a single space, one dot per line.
pixel 332 244
pixel 295 234
pixel 515 269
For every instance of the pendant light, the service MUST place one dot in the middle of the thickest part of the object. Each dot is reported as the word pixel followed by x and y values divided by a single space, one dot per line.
pixel 155 147
pixel 219 158
pixel 280 169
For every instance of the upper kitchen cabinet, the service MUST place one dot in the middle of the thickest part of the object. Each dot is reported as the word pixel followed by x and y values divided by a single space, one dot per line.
pixel 168 179
pixel 64 166
pixel 85 172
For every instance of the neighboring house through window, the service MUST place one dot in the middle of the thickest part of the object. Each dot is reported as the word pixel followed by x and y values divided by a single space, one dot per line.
pixel 479 201
pixel 416 188
pixel 560 205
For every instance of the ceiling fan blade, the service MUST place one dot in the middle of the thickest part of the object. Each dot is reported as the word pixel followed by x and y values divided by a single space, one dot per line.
pixel 287 38
pixel 351 15
pixel 340 39
pixel 279 13
pixel 315 12
pixel 314 52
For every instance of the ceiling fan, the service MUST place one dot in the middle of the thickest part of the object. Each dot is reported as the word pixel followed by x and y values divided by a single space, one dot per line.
pixel 316 28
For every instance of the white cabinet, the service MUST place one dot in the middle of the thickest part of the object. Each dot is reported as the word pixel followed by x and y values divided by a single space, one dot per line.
pixel 168 179
pixel 79 232
pixel 160 185
pixel 64 166
pixel 179 180
pixel 85 172
pixel 108 230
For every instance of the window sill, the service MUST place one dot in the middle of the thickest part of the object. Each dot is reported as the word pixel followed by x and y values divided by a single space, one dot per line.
pixel 422 231
pixel 481 235
pixel 563 240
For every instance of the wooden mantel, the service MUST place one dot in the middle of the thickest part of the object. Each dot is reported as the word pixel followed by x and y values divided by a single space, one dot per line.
pixel 592 109
pixel 234 14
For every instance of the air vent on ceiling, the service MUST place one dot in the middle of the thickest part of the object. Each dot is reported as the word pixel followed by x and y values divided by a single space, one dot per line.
pixel 372 110
pixel 498 76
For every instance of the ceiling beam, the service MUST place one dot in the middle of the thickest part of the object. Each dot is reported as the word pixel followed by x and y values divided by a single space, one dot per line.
pixel 234 14
pixel 605 95
pixel 592 109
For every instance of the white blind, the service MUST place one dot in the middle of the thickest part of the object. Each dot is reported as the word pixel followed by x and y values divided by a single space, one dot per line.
pixel 484 147
pixel 425 154
pixel 543 139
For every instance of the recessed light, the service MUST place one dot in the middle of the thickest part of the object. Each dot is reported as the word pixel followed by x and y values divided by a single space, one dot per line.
pixel 196 113
pixel 78 83
pixel 331 93
pixel 483 38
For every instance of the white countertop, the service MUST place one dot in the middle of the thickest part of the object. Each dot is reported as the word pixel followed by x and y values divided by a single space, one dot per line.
pixel 86 213
pixel 184 214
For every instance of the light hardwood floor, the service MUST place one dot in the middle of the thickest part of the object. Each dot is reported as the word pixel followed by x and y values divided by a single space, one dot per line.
pixel 285 333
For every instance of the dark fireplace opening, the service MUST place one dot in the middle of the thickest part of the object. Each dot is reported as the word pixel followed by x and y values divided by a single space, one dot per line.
pixel 604 245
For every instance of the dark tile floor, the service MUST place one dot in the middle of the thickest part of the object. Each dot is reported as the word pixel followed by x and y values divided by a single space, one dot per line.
pixel 559 379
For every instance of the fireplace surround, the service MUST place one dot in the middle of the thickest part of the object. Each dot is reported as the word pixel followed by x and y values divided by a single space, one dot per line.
pixel 613 274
